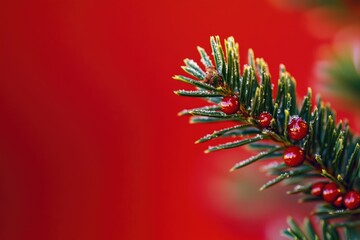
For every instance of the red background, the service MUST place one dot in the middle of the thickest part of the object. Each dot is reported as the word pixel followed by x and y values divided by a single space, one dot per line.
pixel 90 143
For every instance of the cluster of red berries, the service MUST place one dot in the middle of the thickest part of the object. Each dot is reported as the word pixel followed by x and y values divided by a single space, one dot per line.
pixel 294 156
pixel 297 129
pixel 331 193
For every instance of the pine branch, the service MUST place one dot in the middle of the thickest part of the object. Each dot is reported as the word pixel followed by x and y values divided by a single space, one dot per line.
pixel 309 139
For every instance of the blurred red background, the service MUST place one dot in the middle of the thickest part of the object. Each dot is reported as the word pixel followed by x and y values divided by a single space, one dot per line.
pixel 91 146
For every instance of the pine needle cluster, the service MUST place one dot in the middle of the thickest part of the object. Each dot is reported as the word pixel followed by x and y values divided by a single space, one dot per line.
pixel 329 150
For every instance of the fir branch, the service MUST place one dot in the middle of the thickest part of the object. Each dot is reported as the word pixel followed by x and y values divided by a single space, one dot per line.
pixel 312 143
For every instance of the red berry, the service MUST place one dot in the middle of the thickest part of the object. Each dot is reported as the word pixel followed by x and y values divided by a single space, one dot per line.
pixel 265 119
pixel 331 192
pixel 317 188
pixel 352 200
pixel 293 156
pixel 297 128
pixel 339 201
pixel 230 104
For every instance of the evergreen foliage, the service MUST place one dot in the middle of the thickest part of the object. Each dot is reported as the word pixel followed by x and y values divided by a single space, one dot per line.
pixel 342 73
pixel 331 150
